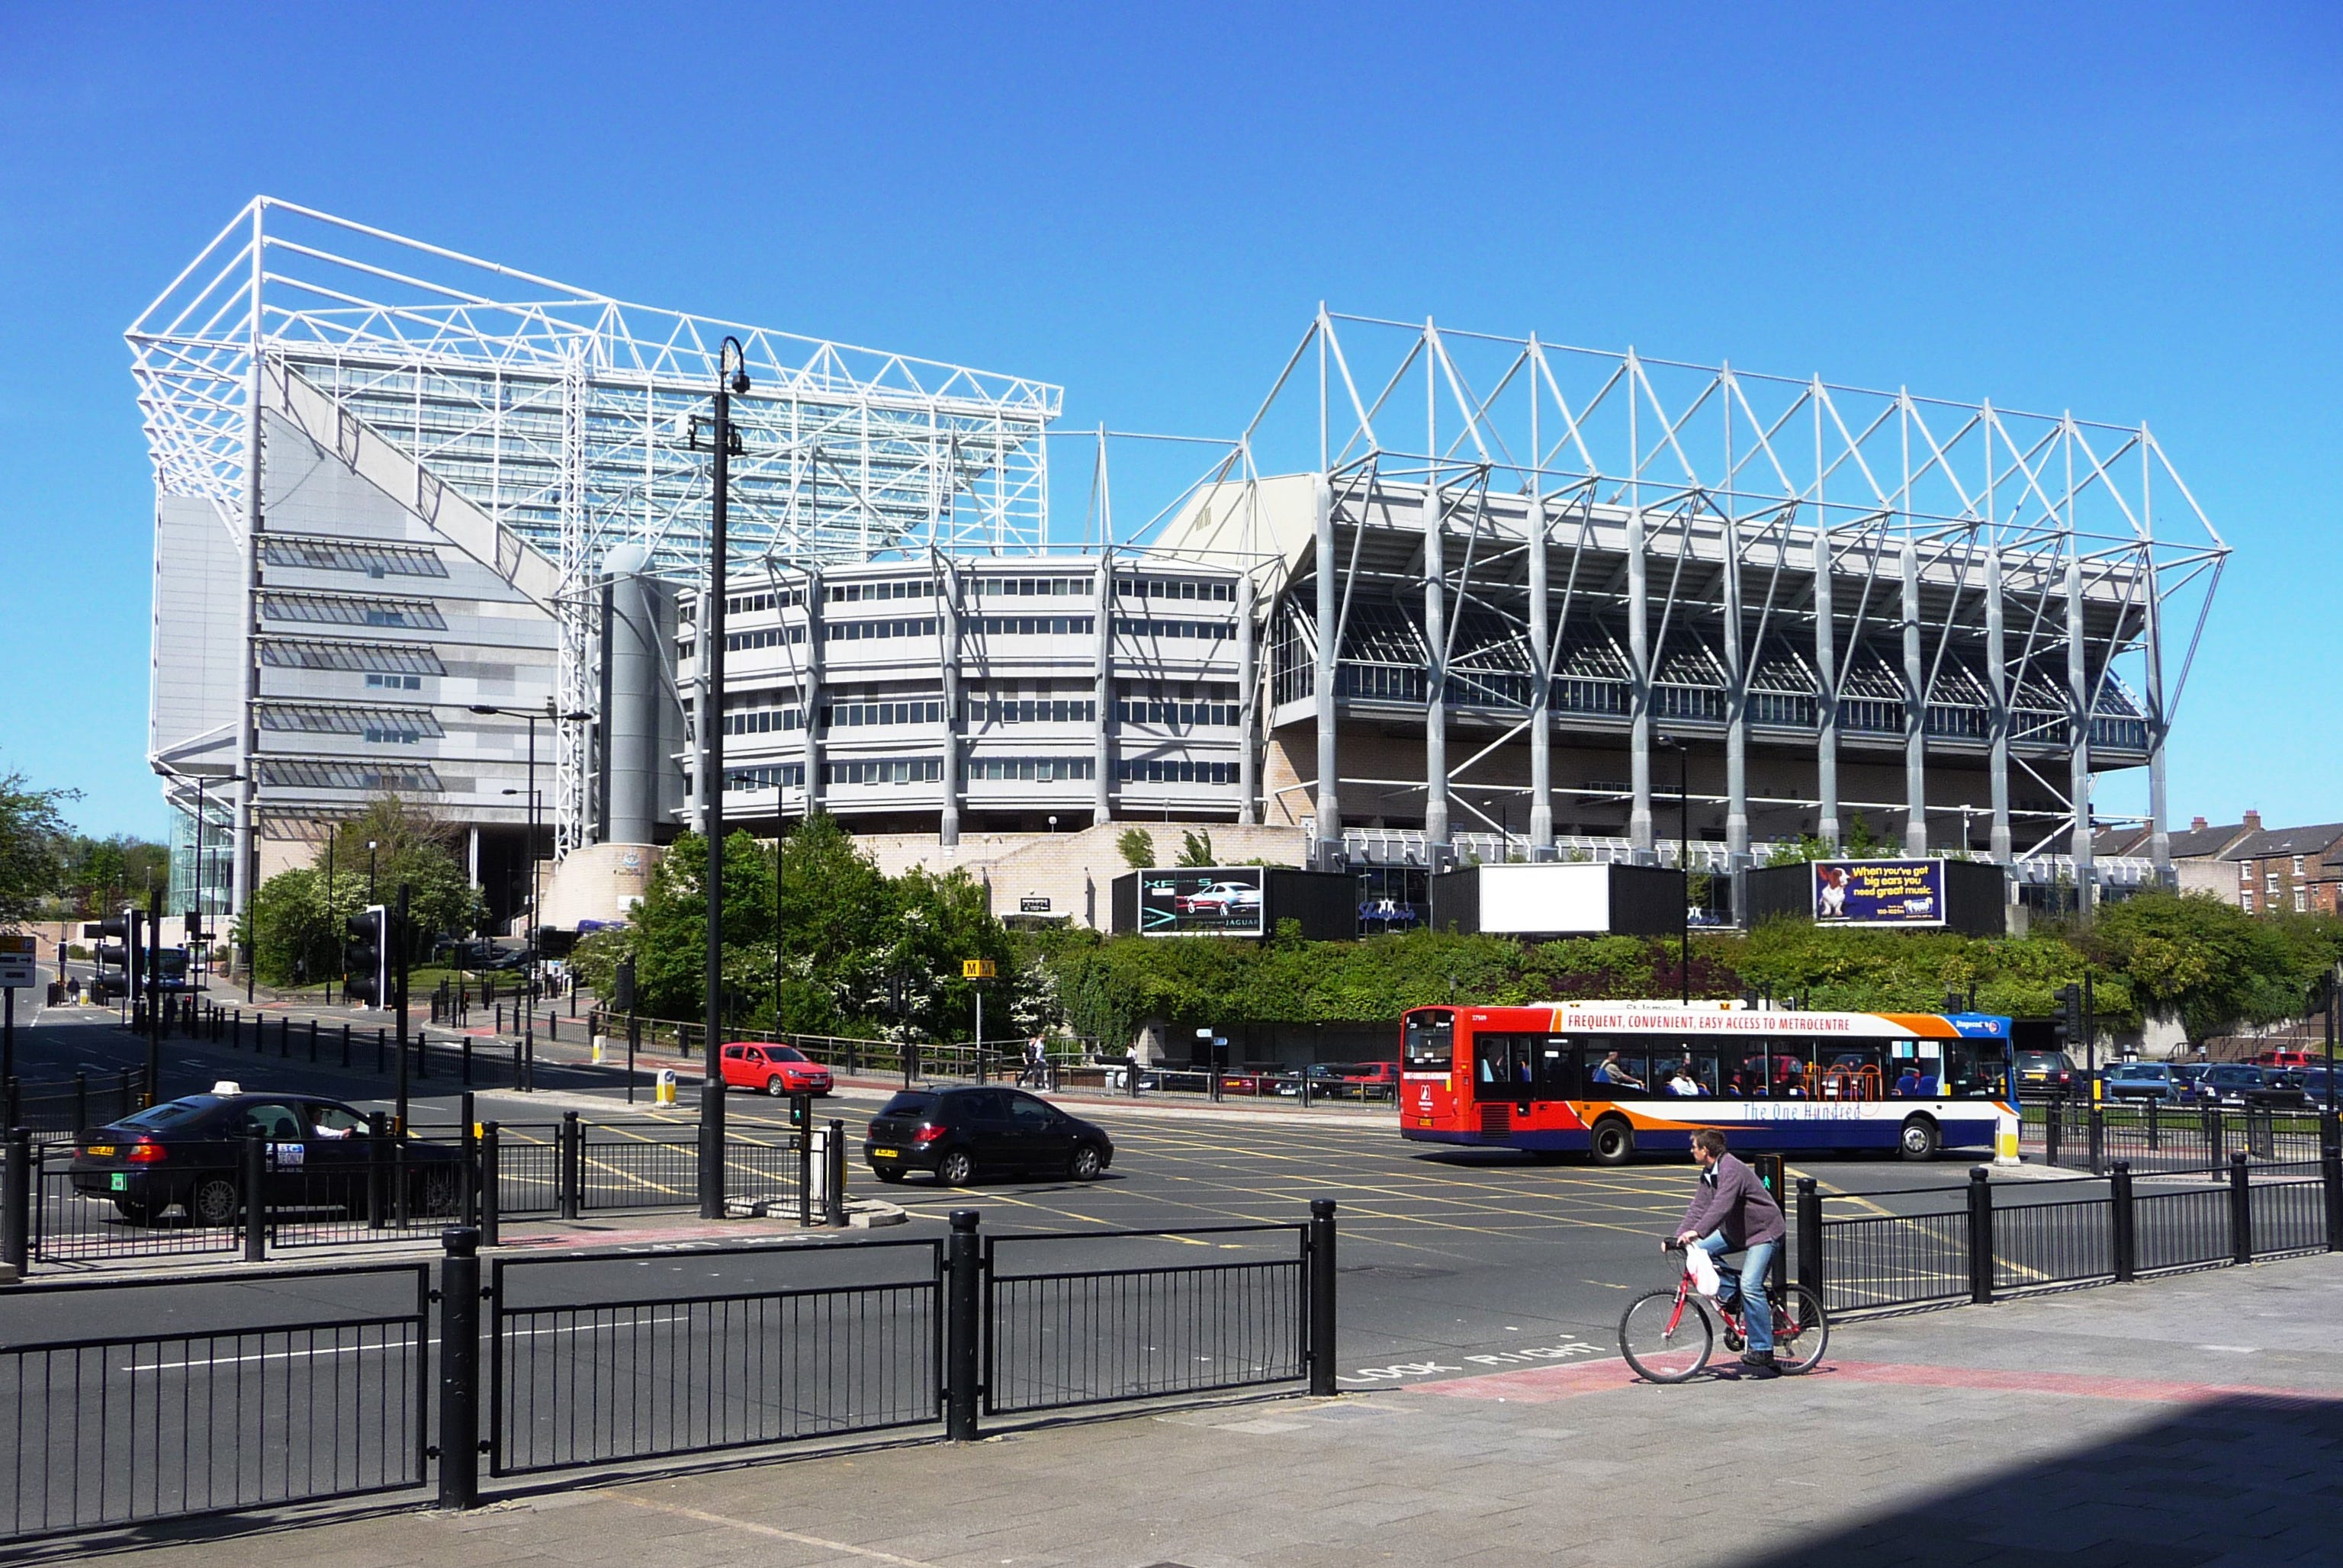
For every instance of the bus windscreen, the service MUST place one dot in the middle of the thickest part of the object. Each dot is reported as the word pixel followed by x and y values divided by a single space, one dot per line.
pixel 1431 1043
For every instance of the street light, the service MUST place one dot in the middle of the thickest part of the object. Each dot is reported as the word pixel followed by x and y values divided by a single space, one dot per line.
pixel 731 380
pixel 370 898
pixel 1683 860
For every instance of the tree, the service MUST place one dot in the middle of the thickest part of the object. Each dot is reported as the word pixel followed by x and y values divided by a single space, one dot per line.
pixel 298 918
pixel 1196 849
pixel 1137 847
pixel 32 837
pixel 2193 957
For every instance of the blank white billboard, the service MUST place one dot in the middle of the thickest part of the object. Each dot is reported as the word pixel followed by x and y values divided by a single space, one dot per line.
pixel 1560 899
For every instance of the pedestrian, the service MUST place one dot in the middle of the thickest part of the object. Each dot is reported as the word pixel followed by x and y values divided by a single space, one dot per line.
pixel 1037 1071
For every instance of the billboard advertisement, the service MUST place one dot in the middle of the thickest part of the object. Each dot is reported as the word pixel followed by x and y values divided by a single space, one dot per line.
pixel 1534 900
pixel 1879 892
pixel 1203 900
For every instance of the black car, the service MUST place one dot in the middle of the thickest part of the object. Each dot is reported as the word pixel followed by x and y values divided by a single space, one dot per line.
pixel 2239 1085
pixel 2044 1073
pixel 189 1153
pixel 954 1133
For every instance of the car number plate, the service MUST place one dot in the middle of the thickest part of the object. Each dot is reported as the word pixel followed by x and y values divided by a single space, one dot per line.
pixel 121 1183
pixel 882 1154
pixel 100 1149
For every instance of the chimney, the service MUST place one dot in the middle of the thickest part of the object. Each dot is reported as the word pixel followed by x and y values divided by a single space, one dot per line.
pixel 2253 822
pixel 2198 824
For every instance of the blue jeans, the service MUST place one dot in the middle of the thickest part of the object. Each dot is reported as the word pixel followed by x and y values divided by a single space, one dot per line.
pixel 1757 1311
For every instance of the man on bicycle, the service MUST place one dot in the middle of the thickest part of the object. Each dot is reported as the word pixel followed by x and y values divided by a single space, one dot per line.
pixel 1732 1211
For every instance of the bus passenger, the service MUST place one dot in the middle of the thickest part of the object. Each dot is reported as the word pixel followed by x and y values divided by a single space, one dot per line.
pixel 1612 1070
pixel 1683 1084
pixel 1908 1086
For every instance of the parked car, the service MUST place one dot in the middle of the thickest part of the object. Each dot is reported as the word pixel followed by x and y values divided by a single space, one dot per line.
pixel 2286 1059
pixel 2045 1073
pixel 1259 1078
pixel 189 1153
pixel 956 1134
pixel 2142 1082
pixel 1372 1079
pixel 1221 900
pixel 2239 1085
pixel 778 1069
pixel 2314 1083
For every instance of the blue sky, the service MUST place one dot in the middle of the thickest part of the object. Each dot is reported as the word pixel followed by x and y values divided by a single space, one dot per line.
pixel 2134 212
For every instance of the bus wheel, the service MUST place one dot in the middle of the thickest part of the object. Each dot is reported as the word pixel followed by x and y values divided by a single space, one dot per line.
pixel 1918 1139
pixel 1613 1142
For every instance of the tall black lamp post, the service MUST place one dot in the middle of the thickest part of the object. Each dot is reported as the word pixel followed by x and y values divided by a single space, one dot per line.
pixel 731 380
pixel 528 1012
pixel 1683 860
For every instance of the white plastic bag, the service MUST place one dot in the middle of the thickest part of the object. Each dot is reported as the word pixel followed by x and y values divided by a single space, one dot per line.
pixel 1701 1265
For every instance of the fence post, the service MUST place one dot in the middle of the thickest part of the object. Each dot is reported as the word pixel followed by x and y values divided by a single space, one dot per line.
pixel 2213 1126
pixel 346 1042
pixel 1980 1237
pixel 2241 1211
pixel 285 1037
pixel 834 1190
pixel 381 1041
pixel 2053 1128
pixel 2153 1141
pixel 962 1305
pixel 2123 1238
pixel 2331 1185
pixel 490 1213
pixel 1810 1236
pixel 255 1203
pixel 2099 1141
pixel 572 1136
pixel 1321 1297
pixel 376 1157
pixel 805 1165
pixel 468 1060
pixel 16 1200
pixel 459 1369
pixel 313 1040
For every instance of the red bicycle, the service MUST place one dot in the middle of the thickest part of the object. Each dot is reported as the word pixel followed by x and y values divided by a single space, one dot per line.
pixel 1667 1335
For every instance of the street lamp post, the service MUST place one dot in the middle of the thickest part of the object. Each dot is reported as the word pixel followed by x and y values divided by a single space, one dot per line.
pixel 371 849
pixel 730 357
pixel 1683 861
pixel 536 875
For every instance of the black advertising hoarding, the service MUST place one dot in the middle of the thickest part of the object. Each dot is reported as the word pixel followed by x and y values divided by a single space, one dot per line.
pixel 1879 892
pixel 1215 900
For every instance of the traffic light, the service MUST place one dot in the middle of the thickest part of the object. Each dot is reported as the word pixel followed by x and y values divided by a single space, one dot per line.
pixel 366 955
pixel 622 985
pixel 2070 1012
pixel 116 951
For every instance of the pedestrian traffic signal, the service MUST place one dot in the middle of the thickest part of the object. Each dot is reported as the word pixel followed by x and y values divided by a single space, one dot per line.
pixel 365 956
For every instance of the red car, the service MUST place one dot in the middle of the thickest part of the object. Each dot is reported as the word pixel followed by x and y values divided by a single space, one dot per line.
pixel 1372 1079
pixel 2286 1059
pixel 778 1069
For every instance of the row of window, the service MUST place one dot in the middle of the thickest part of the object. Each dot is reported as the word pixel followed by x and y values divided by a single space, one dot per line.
pixel 394 682
pixel 749 603
pixel 354 773
pixel 862 593
pixel 1172 587
pixel 351 609
pixel 854 714
pixel 317 719
pixel 407 659
pixel 876 630
pixel 850 714
pixel 377 560
pixel 885 770
pixel 2301 900
pixel 762 720
pixel 1029 770
pixel 1172 770
pixel 2246 871
pixel 764 637
pixel 1210 631
pixel 1182 715
pixel 1036 625
pixel 1030 587
pixel 1032 710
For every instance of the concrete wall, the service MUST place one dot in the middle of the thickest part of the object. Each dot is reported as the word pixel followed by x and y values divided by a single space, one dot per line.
pixel 1074 871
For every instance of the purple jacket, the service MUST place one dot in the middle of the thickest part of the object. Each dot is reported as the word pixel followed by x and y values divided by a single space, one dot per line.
pixel 1730 1196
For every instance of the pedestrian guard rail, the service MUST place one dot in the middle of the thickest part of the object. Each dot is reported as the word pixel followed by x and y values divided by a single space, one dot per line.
pixel 1975 1245
pixel 284 1385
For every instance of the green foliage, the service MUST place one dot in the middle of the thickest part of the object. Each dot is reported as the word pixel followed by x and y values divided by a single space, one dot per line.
pixel 2212 965
pixel 299 918
pixel 1196 849
pixel 101 874
pixel 851 940
pixel 32 838
pixel 1839 969
pixel 1137 847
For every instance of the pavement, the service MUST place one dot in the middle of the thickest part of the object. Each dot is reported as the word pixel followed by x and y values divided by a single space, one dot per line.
pixel 2188 1420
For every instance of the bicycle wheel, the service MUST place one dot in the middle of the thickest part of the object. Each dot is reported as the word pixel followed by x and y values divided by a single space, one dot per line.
pixel 1662 1341
pixel 1801 1331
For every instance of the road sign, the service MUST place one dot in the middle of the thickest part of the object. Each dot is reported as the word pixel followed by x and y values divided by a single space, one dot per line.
pixel 976 968
pixel 19 958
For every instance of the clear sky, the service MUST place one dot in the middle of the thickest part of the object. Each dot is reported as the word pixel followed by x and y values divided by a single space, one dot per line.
pixel 2133 211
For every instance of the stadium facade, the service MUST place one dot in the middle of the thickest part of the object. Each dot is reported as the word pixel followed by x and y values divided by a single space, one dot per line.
pixel 431 526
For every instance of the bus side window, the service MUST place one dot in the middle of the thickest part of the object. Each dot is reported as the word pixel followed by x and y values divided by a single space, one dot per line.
pixel 1493 1066
pixel 1616 1068
pixel 1557 1069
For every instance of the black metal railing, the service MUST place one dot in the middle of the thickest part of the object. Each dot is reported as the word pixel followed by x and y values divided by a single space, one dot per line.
pixel 2154 1136
pixel 2114 1228
pixel 228 1411
pixel 1128 1327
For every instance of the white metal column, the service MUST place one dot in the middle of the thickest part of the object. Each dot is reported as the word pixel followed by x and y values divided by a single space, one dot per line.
pixel 1540 675
pixel 1736 712
pixel 1916 711
pixel 1103 694
pixel 1248 699
pixel 2079 756
pixel 1997 658
pixel 948 585
pixel 1639 675
pixel 1327 823
pixel 1826 825
pixel 1435 682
